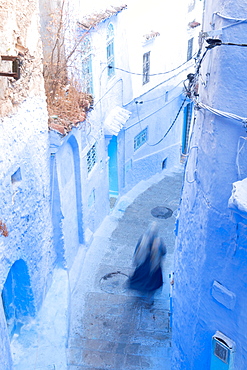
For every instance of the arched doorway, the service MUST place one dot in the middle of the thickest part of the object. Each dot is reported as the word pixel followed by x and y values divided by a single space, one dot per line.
pixel 67 202
pixel 17 297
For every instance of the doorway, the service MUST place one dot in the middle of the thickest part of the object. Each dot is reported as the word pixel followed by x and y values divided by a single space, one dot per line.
pixel 113 170
pixel 17 297
pixel 186 127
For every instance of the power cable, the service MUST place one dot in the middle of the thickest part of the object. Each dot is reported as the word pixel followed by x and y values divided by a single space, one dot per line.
pixel 229 18
pixel 159 97
pixel 169 129
pixel 153 74
pixel 217 42
pixel 168 79
pixel 222 113
pixel 191 89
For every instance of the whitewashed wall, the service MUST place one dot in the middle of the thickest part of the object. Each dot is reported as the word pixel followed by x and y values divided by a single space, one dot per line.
pixel 24 172
pixel 210 275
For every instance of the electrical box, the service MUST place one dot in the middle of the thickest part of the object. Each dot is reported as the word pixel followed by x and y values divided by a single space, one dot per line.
pixel 223 349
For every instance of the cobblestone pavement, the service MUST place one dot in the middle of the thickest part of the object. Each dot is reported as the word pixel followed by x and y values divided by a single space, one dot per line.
pixel 111 327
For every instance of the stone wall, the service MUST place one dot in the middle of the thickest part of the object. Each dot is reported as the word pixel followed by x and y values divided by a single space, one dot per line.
pixel 27 254
pixel 19 32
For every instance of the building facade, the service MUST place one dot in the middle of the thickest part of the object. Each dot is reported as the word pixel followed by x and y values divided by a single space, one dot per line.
pixel 137 76
pixel 27 254
pixel 57 185
pixel 209 294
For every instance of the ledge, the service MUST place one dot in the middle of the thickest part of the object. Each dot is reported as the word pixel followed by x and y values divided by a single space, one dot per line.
pixel 223 295
pixel 238 200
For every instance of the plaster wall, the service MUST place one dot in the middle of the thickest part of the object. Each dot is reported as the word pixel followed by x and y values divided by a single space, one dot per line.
pixel 80 199
pixel 19 32
pixel 27 255
pixel 6 360
pixel 210 247
pixel 155 104
pixel 25 203
pixel 157 116
pixel 161 100
pixel 117 90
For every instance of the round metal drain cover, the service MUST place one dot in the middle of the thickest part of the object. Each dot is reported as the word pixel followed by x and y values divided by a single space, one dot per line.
pixel 113 282
pixel 161 212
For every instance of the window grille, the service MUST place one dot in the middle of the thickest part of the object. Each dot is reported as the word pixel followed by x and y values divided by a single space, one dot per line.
pixel 146 68
pixel 190 49
pixel 91 158
pixel 222 352
pixel 140 139
pixel 110 51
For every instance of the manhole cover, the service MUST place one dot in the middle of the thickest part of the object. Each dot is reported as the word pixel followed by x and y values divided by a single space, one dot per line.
pixel 113 282
pixel 161 212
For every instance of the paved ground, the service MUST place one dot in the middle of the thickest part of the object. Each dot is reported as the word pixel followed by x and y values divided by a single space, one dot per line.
pixel 111 327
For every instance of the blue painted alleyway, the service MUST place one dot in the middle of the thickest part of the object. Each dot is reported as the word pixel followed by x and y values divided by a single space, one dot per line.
pixel 109 327
pixel 112 328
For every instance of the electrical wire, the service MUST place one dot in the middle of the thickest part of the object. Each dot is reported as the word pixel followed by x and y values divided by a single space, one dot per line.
pixel 191 89
pixel 186 174
pixel 237 21
pixel 229 18
pixel 169 129
pixel 238 154
pixel 159 97
pixel 217 42
pixel 222 113
pixel 168 79
pixel 155 74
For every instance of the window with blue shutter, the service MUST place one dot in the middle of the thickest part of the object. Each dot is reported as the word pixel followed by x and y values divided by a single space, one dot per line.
pixel 146 68
pixel 140 139
pixel 110 50
pixel 190 49
pixel 87 75
pixel 91 158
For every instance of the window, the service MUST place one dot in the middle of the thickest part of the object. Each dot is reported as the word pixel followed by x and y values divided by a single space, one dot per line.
pixel 16 177
pixel 146 68
pixel 87 77
pixel 190 49
pixel 91 158
pixel 140 139
pixel 110 50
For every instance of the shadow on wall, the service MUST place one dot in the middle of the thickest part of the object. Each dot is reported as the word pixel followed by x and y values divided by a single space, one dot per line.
pixel 17 297
pixel 66 200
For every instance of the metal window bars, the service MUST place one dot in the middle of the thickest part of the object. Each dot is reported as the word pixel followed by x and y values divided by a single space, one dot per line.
pixel 15 73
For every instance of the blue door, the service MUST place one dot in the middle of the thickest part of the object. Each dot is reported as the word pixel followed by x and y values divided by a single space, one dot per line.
pixel 113 167
pixel 17 297
pixel 186 127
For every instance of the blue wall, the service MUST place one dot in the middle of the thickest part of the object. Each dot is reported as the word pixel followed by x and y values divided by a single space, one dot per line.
pixel 210 261
pixel 27 254
pixel 17 296
pixel 155 111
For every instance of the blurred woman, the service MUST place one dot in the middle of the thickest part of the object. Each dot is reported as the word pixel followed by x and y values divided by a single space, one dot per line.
pixel 147 276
